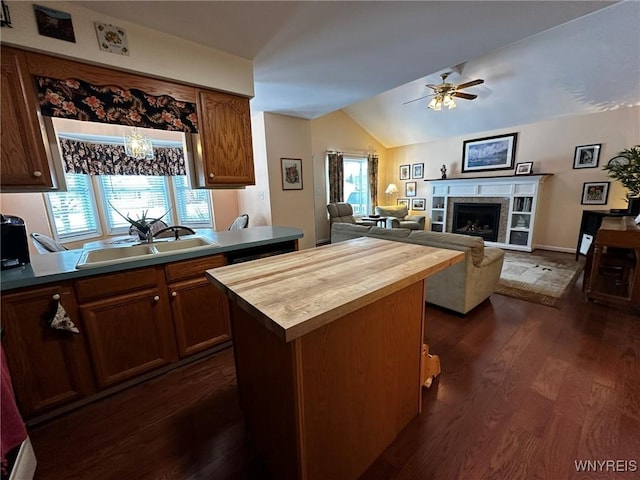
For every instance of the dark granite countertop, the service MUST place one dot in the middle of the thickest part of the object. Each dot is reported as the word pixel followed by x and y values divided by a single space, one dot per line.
pixel 61 266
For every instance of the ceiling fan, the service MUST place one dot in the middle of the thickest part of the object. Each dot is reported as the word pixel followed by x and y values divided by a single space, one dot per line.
pixel 444 93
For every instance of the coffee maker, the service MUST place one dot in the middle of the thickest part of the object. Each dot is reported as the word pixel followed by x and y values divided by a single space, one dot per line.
pixel 14 246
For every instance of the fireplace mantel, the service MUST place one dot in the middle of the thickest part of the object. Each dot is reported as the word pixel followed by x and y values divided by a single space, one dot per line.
pixel 518 194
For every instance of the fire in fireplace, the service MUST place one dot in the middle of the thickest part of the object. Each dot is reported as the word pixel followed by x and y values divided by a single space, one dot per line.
pixel 480 219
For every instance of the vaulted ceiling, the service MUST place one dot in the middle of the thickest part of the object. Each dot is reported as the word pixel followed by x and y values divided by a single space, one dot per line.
pixel 539 59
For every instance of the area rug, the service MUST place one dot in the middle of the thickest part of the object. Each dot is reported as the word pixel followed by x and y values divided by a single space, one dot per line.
pixel 536 278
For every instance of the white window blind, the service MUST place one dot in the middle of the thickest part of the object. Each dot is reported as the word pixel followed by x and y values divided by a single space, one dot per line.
pixel 193 207
pixel 74 211
pixel 132 195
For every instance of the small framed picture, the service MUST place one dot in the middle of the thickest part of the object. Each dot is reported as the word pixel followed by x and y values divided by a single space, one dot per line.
pixel 587 156
pixel 291 173
pixel 410 189
pixel 403 201
pixel 405 172
pixel 417 170
pixel 524 168
pixel 417 204
pixel 54 23
pixel 112 39
pixel 595 193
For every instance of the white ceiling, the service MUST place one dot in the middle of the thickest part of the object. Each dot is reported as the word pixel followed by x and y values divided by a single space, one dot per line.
pixel 368 58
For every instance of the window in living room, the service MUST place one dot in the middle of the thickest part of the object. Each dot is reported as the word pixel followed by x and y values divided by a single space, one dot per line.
pixel 356 186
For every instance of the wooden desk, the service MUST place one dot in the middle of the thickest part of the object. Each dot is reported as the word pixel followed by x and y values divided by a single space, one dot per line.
pixel 612 273
pixel 590 223
pixel 328 345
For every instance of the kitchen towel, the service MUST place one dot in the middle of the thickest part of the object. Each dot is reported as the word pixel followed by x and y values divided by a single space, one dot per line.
pixel 12 429
pixel 61 320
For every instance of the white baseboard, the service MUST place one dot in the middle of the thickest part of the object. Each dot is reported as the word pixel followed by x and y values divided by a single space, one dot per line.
pixel 25 466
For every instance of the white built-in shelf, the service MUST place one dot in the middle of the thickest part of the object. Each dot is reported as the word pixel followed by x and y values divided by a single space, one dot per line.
pixel 518 194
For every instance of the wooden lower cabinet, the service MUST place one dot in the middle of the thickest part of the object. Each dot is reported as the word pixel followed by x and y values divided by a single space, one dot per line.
pixel 129 328
pixel 200 311
pixel 131 323
pixel 49 368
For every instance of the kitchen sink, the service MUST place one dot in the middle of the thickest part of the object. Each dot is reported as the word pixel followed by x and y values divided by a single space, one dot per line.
pixel 182 244
pixel 116 255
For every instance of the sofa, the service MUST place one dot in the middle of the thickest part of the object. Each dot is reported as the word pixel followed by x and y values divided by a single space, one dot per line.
pixel 341 212
pixel 460 287
pixel 398 217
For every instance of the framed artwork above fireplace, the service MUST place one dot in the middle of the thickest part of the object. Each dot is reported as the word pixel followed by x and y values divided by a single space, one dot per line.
pixel 489 153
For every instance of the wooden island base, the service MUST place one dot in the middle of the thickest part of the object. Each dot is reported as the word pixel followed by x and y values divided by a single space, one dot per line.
pixel 327 404
pixel 328 351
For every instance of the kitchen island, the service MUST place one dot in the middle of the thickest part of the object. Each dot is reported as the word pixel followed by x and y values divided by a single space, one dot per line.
pixel 327 344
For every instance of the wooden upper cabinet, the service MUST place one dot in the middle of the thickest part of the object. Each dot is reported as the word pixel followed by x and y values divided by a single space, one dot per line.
pixel 224 122
pixel 25 164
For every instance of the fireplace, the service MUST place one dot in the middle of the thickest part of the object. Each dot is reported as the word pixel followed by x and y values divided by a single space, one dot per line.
pixel 479 219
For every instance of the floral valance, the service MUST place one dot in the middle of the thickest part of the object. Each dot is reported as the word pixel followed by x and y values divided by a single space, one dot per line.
pixel 110 159
pixel 79 100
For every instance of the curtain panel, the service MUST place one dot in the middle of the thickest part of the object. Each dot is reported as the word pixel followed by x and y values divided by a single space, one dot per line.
pixel 336 178
pixel 110 159
pixel 372 174
pixel 79 100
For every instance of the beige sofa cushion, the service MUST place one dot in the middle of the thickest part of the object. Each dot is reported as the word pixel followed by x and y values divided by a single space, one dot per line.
pixel 398 211
pixel 452 240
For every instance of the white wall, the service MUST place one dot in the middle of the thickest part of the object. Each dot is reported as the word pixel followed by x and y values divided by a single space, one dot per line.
pixel 290 137
pixel 255 200
pixel 151 52
pixel 551 146
pixel 337 131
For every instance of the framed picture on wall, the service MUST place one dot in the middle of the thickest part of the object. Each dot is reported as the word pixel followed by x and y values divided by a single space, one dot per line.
pixel 417 170
pixel 595 193
pixel 291 173
pixel 417 204
pixel 410 189
pixel 489 153
pixel 403 201
pixel 405 172
pixel 587 156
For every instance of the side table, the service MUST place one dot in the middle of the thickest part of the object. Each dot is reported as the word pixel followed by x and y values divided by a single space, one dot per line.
pixel 380 221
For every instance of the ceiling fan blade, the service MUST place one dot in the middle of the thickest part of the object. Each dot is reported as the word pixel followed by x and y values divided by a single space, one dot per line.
pixel 416 99
pixel 466 96
pixel 470 84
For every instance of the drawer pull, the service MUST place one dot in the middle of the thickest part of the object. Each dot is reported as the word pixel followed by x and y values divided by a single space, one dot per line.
pixel 37 173
pixel 156 298
pixel 174 294
pixel 56 297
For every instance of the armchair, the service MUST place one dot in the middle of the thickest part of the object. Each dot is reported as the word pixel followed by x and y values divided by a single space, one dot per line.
pixel 342 212
pixel 398 217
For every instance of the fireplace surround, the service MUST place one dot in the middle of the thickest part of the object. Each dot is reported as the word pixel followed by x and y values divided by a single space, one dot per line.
pixel 514 199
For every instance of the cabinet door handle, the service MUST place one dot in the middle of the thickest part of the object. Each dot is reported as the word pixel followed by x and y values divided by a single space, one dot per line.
pixel 211 175
pixel 156 298
pixel 174 294
pixel 37 173
pixel 56 297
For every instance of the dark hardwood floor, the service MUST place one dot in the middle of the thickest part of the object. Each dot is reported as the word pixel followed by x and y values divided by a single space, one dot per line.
pixel 525 392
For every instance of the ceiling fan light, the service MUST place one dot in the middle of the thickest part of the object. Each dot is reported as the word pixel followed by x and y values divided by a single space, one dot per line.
pixel 452 103
pixel 433 103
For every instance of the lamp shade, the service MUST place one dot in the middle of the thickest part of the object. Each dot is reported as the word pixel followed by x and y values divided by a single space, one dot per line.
pixel 391 188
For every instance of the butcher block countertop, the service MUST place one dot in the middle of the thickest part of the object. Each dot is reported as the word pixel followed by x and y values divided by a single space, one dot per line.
pixel 296 293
